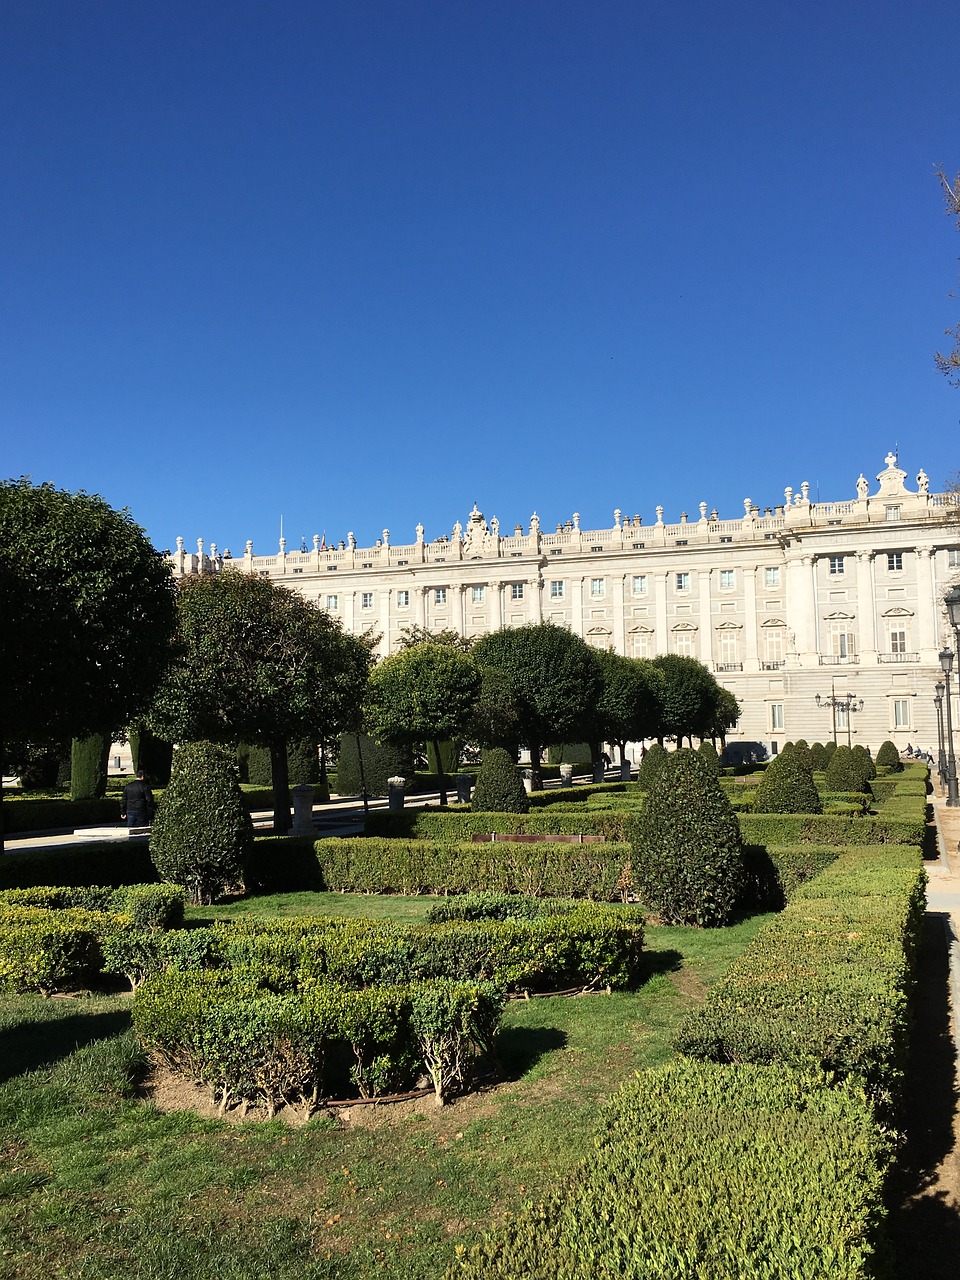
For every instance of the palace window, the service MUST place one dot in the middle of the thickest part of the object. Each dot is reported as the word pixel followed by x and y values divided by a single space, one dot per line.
pixel 836 566
pixel 403 599
pixel 841 639
pixel 774 641
pixel 727 579
pixel 440 595
pixel 894 561
pixel 776 716
pixel 556 590
pixel 639 584
pixel 683 582
pixel 516 590
pixel 332 603
pixel 953 559
pixel 771 576
pixel 596 586
pixel 684 643
pixel 476 595
pixel 642 644
pixel 898 640
pixel 901 713
pixel 893 513
pixel 366 600
pixel 728 646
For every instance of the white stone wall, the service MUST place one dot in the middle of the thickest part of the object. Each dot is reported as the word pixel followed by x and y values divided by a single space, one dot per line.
pixel 782 604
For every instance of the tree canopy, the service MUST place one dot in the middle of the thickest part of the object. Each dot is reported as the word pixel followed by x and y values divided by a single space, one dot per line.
pixel 258 663
pixel 693 701
pixel 949 363
pixel 425 693
pixel 548 677
pixel 629 707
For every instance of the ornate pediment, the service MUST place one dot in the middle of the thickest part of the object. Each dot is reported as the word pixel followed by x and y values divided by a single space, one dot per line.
pixel 729 626
pixel 683 626
pixel 839 615
pixel 599 631
pixel 641 627
pixel 773 622
pixel 897 611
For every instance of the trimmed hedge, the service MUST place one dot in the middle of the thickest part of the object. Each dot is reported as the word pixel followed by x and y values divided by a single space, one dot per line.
pixel 723 1173
pixel 773 874
pixel 566 795
pixel 147 906
pixel 499 787
pixel 43 950
pixel 453 825
pixel 827 984
pixel 26 814
pixel 586 945
pixel 543 869
pixel 838 829
pixel 113 862
pixel 250 1045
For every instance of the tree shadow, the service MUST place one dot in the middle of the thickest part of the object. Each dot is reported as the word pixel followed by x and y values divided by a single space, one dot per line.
pixel 924 1227
pixel 27 1046
pixel 654 962
pixel 519 1049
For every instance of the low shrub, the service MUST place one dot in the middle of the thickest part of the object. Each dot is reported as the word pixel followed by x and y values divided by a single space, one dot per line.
pixel 650 766
pixel 774 873
pixel 787 785
pixel 138 954
pixel 579 793
pixel 731 1173
pixel 454 825
pixel 541 869
pixel 888 757
pixel 281 864
pixel 844 772
pixel 30 814
pixel 783 829
pixel 157 906
pixel 46 951
pixel 499 787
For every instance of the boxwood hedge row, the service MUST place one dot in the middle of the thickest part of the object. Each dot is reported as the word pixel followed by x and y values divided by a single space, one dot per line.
pixel 454 825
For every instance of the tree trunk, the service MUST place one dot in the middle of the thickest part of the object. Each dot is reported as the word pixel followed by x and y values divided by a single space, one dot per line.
pixel 442 780
pixel 280 774
pixel 536 772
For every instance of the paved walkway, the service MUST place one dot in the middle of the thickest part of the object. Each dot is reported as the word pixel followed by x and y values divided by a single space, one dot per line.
pixel 943 895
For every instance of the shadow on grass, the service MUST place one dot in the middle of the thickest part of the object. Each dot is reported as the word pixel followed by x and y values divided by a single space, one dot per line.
pixel 519 1049
pixel 654 962
pixel 924 1227
pixel 29 1045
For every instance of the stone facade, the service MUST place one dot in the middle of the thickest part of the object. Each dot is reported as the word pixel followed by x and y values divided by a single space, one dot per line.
pixel 783 604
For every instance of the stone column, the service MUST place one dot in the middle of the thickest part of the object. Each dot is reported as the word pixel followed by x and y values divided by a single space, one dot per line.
pixel 462 608
pixel 619 631
pixel 660 581
pixel 705 621
pixel 420 606
pixel 751 621
pixel 577 624
pixel 928 615
pixel 535 586
pixel 866 607
pixel 801 601
pixel 350 612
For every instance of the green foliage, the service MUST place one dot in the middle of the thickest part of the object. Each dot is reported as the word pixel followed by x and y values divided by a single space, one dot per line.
pixel 44 950
pixel 550 680
pixel 865 765
pixel 819 757
pixel 422 694
pixel 787 785
pixel 888 757
pixel 843 772
pixel 278 864
pixel 731 1173
pixel 36 764
pixel 689 861
pixel 462 824
pixel 629 707
pixel 774 873
pixel 151 754
pixel 88 609
pixel 499 786
pixel 202 831
pixel 708 753
pixel 831 829
pixel 109 862
pixel 570 753
pixel 826 984
pixel 88 767
pixel 28 814
pixel 543 869
pixel 692 702
pixel 379 763
pixel 650 766
pixel 138 954
pixel 303 764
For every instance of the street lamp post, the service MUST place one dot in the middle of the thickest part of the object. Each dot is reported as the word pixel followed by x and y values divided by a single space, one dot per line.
pixel 847 703
pixel 946 666
pixel 941 753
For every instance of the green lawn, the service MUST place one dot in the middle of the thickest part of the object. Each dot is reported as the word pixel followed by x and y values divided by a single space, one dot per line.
pixel 95 1184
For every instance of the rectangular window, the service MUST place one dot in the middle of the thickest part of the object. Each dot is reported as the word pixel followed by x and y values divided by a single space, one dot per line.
pixel 684 643
pixel 683 582
pixel 440 595
pixel 893 513
pixel 403 599
pixel 639 584
pixel 898 641
pixel 726 537
pixel 331 602
pixel 556 590
pixel 836 566
pixel 477 595
pixel 642 644
pixel 901 713
pixel 728 646
pixel 366 600
pixel 774 638
pixel 596 586
pixel 841 640
pixel 771 576
pixel 953 559
pixel 776 716
pixel 894 561
pixel 596 548
pixel 727 580
pixel 516 590
pixel 842 717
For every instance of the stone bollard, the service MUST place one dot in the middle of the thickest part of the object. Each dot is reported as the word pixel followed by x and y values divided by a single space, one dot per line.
pixel 302 810
pixel 527 782
pixel 598 771
pixel 395 793
pixel 464 784
pixel 625 767
pixel 566 775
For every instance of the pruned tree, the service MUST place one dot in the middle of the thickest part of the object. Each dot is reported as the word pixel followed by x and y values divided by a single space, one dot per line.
pixel 258 663
pixel 422 694
pixel 949 363
pixel 549 678
pixel 629 707
pixel 694 704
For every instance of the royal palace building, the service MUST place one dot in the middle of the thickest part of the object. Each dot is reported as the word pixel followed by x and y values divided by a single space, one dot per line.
pixel 823 618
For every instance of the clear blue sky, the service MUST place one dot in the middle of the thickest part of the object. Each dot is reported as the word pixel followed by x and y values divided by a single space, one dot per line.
pixel 363 262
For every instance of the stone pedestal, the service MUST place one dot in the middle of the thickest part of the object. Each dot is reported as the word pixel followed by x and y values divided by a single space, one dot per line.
pixel 625 767
pixel 464 785
pixel 302 810
pixel 566 775
pixel 527 783
pixel 395 792
pixel 598 771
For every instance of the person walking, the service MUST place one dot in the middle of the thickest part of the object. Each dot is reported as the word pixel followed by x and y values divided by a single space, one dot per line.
pixel 138 804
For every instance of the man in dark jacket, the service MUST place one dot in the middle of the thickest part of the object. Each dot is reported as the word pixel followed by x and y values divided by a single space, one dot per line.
pixel 138 802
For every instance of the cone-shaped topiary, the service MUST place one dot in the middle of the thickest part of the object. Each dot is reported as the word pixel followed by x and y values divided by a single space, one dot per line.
pixel 88 766
pixel 499 787
pixel 787 786
pixel 708 754
pixel 650 766
pixel 888 756
pixel 202 832
pixel 819 756
pixel 843 772
pixel 801 749
pixel 689 863
pixel 868 770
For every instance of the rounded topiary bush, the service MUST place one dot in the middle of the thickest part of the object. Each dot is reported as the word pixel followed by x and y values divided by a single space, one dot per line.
pixel 888 757
pixel 499 786
pixel 787 786
pixel 844 772
pixel 819 756
pixel 202 831
pixel 801 749
pixel 708 754
pixel 689 864
pixel 868 770
pixel 650 766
